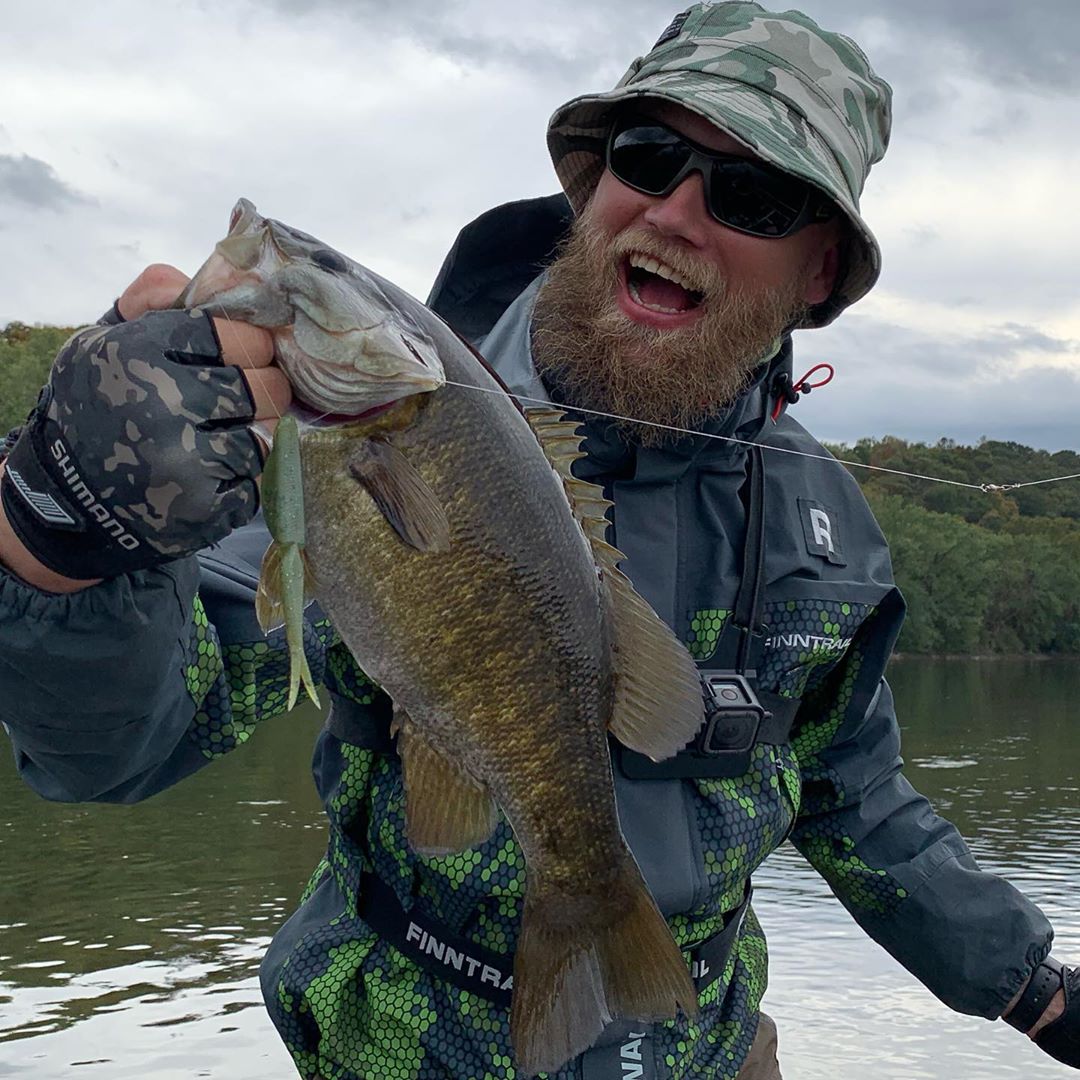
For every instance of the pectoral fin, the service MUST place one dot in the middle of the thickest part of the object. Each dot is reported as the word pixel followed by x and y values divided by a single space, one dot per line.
pixel 445 810
pixel 401 494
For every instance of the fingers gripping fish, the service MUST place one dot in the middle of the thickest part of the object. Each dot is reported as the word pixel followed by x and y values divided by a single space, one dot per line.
pixel 465 568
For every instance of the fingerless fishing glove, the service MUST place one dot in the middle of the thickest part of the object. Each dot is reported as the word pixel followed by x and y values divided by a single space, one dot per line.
pixel 137 451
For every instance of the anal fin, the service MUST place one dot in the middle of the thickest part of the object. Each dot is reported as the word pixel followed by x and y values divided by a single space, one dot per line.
pixel 445 809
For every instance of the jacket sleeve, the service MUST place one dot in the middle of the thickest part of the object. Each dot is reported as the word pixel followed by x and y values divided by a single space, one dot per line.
pixel 116 692
pixel 903 872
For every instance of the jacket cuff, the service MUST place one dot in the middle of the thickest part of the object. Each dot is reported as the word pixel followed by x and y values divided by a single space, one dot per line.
pixel 112 317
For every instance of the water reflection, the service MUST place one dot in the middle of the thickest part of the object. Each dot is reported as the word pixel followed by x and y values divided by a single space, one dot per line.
pixel 992 746
pixel 130 936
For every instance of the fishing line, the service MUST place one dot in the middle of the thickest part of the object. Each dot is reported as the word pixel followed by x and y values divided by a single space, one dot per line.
pixel 764 446
pixel 523 399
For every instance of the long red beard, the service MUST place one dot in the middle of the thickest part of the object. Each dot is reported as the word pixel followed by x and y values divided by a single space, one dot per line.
pixel 680 377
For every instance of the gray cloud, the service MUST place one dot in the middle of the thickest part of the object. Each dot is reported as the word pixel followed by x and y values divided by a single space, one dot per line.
pixel 1036 408
pixel 1000 40
pixel 898 381
pixel 877 346
pixel 606 34
pixel 1005 123
pixel 34 182
pixel 441 31
pixel 922 234
pixel 1011 339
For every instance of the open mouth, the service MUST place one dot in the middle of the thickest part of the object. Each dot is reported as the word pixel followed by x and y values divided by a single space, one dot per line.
pixel 318 418
pixel 659 288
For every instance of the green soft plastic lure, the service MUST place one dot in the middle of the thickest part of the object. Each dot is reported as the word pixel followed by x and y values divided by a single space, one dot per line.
pixel 285 585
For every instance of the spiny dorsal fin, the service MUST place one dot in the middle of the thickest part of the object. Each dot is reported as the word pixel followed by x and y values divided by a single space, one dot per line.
pixel 658 707
pixel 561 443
pixel 558 438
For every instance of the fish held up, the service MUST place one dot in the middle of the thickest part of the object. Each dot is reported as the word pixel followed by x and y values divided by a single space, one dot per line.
pixel 465 567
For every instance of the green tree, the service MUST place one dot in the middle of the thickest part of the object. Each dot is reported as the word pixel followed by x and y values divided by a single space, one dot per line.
pixel 940 563
pixel 26 354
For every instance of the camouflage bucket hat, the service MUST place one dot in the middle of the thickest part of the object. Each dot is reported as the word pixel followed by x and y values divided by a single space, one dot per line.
pixel 800 97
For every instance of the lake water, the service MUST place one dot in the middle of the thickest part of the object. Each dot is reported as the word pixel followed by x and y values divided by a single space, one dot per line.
pixel 130 936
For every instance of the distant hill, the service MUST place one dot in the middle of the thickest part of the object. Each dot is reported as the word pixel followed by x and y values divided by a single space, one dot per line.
pixel 988 462
pixel 982 572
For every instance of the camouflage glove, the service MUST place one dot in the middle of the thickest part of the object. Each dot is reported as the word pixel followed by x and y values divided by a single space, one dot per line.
pixel 137 451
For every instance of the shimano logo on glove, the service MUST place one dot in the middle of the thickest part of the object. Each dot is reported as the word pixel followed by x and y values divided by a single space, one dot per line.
pixel 87 499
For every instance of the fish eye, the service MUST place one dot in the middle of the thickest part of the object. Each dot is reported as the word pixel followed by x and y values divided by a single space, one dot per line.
pixel 328 260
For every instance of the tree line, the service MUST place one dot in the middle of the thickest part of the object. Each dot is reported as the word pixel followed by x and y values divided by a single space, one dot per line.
pixel 982 572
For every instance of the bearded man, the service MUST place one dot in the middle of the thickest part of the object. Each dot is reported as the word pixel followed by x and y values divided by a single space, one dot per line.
pixel 711 207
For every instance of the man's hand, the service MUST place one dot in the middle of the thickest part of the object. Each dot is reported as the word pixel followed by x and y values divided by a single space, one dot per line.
pixel 139 449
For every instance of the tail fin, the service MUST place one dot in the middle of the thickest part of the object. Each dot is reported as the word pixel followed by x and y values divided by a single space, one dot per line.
pixel 573 974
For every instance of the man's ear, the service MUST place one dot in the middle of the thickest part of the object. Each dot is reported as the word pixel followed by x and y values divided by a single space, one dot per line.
pixel 824 269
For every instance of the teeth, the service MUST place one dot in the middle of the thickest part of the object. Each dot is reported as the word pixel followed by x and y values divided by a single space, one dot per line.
pixel 652 307
pixel 644 262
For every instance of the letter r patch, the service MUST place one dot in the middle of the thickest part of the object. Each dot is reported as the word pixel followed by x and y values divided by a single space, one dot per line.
pixel 821 531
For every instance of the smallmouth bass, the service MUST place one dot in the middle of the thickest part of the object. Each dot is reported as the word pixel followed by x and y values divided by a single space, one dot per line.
pixel 466 569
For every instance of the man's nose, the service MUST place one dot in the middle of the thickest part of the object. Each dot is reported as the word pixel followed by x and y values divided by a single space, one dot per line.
pixel 682 214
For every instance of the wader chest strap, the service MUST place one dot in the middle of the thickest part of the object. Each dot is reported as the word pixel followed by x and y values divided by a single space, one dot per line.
pixel 697 762
pixel 361 725
pixel 431 945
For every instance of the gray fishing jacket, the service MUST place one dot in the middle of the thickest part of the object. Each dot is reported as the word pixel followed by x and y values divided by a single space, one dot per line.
pixel 166 670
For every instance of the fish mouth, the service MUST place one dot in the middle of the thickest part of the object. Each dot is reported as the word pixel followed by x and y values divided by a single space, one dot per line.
pixel 312 417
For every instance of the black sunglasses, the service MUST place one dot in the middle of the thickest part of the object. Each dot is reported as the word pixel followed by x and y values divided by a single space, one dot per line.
pixel 746 195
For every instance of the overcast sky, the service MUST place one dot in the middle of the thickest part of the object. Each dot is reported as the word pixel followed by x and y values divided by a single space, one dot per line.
pixel 127 131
